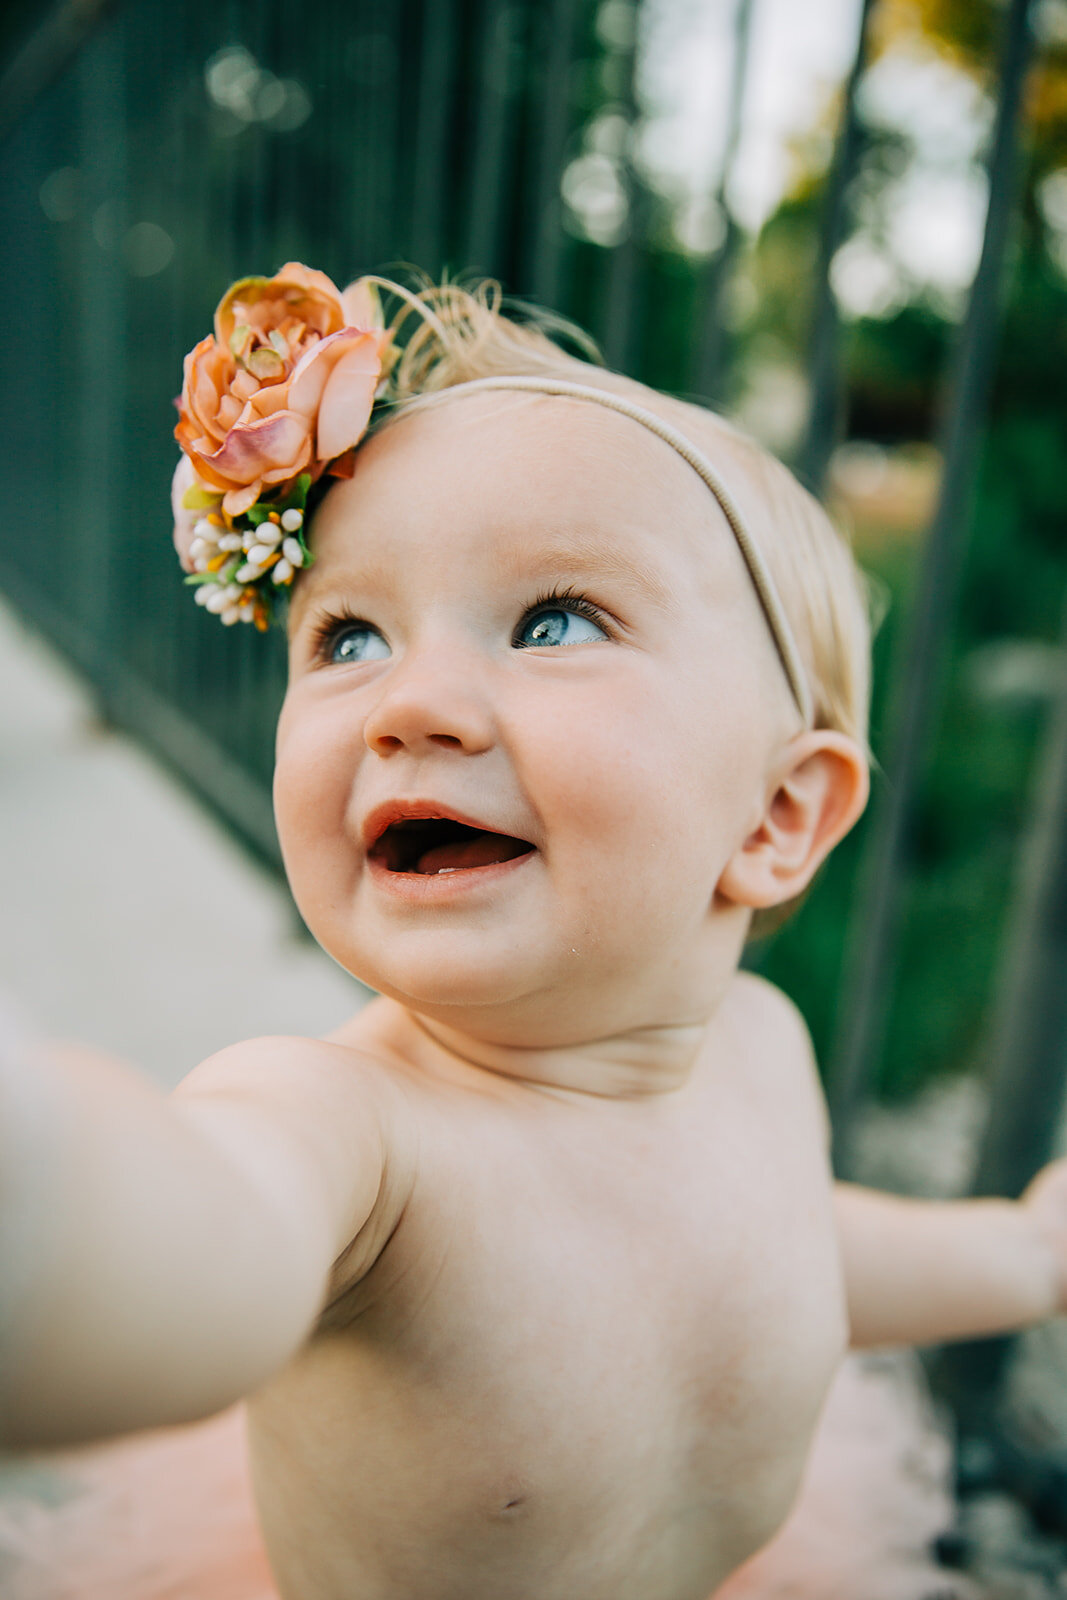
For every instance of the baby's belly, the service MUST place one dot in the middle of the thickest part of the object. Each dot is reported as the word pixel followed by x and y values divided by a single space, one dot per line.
pixel 605 1483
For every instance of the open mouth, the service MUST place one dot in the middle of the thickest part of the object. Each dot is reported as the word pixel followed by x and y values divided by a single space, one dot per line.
pixel 432 845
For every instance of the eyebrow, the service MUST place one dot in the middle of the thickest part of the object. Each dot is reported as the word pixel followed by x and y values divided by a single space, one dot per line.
pixel 574 557
pixel 587 561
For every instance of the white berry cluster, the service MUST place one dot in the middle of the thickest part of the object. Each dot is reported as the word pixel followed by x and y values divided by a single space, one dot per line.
pixel 234 566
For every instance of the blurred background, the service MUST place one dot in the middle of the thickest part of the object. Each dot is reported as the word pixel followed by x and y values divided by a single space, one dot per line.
pixel 843 223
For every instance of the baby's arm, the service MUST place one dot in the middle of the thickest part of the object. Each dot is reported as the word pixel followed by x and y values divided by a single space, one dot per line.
pixel 918 1271
pixel 163 1257
pixel 921 1271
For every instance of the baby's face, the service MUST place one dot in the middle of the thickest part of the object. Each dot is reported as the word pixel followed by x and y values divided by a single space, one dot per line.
pixel 526 615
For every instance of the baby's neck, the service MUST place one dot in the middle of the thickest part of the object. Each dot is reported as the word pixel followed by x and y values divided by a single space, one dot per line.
pixel 639 1062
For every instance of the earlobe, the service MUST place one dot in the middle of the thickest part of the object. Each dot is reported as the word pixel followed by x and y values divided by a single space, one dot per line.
pixel 813 800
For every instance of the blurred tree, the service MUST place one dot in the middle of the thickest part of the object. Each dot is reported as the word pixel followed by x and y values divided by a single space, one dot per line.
pixel 973 803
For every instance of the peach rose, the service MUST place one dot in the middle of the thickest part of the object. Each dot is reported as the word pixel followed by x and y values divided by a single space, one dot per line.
pixel 284 386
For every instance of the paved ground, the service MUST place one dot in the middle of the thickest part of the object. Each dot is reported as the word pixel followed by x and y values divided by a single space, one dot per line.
pixel 128 919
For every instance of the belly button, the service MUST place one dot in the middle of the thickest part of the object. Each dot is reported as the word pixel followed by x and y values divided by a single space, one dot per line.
pixel 513 1501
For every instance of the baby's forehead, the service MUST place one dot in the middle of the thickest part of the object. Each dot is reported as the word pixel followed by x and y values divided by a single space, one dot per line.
pixel 516 464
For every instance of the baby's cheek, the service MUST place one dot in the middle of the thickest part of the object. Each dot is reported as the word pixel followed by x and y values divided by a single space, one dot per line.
pixel 313 781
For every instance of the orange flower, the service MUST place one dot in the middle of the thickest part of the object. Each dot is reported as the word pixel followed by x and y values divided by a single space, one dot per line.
pixel 284 386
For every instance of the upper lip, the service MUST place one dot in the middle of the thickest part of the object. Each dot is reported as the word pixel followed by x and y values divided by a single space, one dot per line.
pixel 382 817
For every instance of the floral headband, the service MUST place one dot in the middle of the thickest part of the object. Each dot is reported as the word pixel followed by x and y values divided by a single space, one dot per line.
pixel 283 393
pixel 278 395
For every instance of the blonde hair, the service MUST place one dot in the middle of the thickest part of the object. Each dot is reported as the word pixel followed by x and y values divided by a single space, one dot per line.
pixel 462 334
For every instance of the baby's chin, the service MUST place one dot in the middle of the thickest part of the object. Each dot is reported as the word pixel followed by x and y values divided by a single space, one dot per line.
pixel 506 1003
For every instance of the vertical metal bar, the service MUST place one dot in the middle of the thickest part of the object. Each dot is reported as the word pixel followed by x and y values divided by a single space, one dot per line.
pixel 378 133
pixel 431 140
pixel 1028 1056
pixel 824 376
pixel 923 656
pixel 1029 1051
pixel 495 96
pixel 101 597
pixel 707 377
pixel 559 25
pixel 620 334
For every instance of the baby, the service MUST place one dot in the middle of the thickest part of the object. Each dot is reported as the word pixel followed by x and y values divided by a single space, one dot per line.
pixel 533 1273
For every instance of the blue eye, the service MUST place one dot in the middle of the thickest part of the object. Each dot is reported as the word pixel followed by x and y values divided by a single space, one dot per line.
pixel 557 626
pixel 357 642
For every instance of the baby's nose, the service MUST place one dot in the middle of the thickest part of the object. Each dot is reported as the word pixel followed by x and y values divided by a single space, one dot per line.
pixel 425 708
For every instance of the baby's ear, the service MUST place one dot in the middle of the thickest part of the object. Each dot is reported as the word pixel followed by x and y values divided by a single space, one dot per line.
pixel 817 792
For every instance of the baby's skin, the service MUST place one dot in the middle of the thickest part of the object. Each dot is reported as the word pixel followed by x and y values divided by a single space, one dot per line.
pixel 534 1273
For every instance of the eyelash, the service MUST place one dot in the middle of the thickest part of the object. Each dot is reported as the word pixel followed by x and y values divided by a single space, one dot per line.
pixel 329 625
pixel 567 599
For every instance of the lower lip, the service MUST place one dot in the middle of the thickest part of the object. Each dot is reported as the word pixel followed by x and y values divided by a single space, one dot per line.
pixel 430 888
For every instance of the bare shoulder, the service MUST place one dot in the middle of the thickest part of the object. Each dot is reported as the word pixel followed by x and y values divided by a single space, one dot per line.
pixel 314 1119
pixel 781 1034
pixel 771 1008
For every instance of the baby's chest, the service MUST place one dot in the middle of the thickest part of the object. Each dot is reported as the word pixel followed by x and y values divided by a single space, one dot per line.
pixel 658 1302
pixel 576 1352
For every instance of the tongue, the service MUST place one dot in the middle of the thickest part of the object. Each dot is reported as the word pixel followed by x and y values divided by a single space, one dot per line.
pixel 480 850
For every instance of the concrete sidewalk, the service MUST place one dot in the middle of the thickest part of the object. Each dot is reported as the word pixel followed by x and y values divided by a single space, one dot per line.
pixel 129 920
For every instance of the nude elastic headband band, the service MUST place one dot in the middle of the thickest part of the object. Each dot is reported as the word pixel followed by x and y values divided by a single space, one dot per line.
pixel 769 599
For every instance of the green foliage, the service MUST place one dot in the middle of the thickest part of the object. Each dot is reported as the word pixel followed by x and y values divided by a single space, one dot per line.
pixel 974 805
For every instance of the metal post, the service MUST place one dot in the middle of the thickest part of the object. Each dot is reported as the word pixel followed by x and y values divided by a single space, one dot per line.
pixel 621 330
pixel 824 375
pixel 560 21
pixel 708 366
pixel 497 34
pixel 101 370
pixel 868 970
pixel 1028 1057
pixel 439 38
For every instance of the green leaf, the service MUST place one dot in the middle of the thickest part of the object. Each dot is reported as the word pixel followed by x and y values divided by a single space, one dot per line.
pixel 295 497
pixel 258 513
